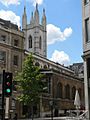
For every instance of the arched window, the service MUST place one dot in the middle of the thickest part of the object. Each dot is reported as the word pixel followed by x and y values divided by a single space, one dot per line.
pixel 59 90
pixel 79 90
pixel 37 64
pixel 40 42
pixel 30 41
pixel 45 67
pixel 73 92
pixel 67 91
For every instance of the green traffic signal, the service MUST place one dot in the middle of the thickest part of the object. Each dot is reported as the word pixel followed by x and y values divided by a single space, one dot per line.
pixel 8 90
pixel 7 84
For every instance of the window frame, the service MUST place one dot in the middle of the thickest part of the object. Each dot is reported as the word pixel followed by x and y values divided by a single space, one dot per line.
pixel 30 42
pixel 87 29
pixel 16 42
pixel 3 55
pixel 86 2
pixel 15 60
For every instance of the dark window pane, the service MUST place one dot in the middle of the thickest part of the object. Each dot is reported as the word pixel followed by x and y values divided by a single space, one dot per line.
pixel 87 29
pixel 59 90
pixel 15 42
pixel 67 92
pixel 86 1
pixel 30 41
pixel 15 61
pixel 3 38
pixel 2 56
pixel 40 42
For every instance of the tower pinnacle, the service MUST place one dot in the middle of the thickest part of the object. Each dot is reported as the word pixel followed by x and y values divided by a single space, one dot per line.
pixel 36 15
pixel 24 17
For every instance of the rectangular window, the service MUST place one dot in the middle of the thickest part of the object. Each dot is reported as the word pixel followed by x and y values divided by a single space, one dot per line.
pixel 15 42
pixel 2 56
pixel 87 30
pixel 3 38
pixel 86 2
pixel 15 61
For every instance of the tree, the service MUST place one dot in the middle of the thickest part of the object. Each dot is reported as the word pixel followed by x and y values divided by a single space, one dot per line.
pixel 30 82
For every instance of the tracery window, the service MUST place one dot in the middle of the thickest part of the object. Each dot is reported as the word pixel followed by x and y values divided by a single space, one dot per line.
pixel 67 91
pixel 30 41
pixel 87 29
pixel 73 92
pixel 40 42
pixel 59 90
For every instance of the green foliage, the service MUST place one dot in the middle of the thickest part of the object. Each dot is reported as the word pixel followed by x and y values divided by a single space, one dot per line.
pixel 30 82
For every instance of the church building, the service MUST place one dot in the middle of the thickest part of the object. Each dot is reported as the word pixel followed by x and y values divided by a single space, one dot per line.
pixel 62 82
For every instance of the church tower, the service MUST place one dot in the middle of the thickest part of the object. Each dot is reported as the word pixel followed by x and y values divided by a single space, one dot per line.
pixel 35 33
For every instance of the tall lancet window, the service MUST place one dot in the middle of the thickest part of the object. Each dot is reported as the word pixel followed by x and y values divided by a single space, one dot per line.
pixel 59 90
pixel 87 29
pixel 30 41
pixel 40 42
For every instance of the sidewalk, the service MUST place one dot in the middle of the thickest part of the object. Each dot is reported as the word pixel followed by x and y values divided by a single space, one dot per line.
pixel 56 118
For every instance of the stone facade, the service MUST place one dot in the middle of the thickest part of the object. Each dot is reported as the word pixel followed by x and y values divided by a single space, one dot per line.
pixel 78 68
pixel 16 45
pixel 86 51
pixel 35 33
pixel 11 50
pixel 63 88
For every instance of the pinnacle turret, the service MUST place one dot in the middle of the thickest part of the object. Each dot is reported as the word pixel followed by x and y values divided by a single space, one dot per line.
pixel 24 19
pixel 31 21
pixel 36 16
pixel 44 19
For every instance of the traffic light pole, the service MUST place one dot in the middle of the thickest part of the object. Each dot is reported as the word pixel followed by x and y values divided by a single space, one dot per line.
pixel 3 114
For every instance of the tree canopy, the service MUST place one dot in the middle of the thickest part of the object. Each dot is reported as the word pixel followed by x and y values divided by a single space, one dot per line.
pixel 30 82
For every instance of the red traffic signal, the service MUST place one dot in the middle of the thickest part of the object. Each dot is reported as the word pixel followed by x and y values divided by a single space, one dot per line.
pixel 7 84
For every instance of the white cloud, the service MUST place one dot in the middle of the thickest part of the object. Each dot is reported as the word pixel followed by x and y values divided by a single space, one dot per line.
pixel 54 34
pixel 9 15
pixel 60 57
pixel 10 2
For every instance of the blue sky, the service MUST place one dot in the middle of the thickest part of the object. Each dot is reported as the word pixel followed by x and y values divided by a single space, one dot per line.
pixel 64 25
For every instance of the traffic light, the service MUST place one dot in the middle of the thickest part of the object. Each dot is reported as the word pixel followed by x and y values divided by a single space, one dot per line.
pixel 7 84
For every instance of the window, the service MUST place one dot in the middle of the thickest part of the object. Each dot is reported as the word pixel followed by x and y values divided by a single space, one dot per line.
pixel 3 38
pixel 73 93
pixel 40 42
pixel 30 41
pixel 49 84
pixel 59 90
pixel 45 67
pixel 86 2
pixel 67 92
pixel 37 64
pixel 2 56
pixel 79 91
pixel 15 42
pixel 87 30
pixel 15 61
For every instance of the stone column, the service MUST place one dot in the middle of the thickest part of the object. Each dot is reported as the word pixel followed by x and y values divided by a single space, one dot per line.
pixel 86 87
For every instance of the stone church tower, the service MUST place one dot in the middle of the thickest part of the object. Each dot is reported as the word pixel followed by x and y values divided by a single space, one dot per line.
pixel 35 33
